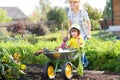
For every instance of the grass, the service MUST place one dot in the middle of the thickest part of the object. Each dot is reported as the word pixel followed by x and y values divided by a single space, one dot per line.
pixel 103 35
pixel 95 34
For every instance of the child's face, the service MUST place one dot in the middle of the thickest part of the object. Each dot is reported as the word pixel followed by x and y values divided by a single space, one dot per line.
pixel 74 33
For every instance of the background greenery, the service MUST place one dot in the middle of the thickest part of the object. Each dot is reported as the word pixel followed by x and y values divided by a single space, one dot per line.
pixel 4 17
pixel 102 49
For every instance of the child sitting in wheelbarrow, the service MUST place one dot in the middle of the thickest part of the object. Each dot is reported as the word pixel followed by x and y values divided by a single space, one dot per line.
pixel 76 41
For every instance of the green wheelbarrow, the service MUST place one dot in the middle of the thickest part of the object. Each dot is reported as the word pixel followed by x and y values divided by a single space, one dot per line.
pixel 59 62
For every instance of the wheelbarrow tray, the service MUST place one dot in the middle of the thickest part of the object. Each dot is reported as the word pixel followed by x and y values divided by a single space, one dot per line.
pixel 64 55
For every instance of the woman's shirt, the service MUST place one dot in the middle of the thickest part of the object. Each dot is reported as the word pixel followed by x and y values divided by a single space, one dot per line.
pixel 80 18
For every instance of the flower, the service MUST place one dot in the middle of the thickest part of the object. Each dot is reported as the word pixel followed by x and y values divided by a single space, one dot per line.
pixel 23 67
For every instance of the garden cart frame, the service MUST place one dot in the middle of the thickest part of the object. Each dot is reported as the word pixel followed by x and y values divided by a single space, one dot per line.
pixel 59 62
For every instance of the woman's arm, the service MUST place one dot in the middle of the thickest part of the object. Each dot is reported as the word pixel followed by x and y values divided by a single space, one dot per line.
pixel 89 29
pixel 87 21
pixel 80 41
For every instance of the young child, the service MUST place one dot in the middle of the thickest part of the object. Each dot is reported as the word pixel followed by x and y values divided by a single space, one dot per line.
pixel 76 41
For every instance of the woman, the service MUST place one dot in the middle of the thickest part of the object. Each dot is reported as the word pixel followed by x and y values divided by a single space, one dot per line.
pixel 80 16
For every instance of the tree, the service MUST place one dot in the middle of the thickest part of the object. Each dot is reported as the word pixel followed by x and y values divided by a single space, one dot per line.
pixel 43 8
pixel 94 13
pixel 35 16
pixel 107 10
pixel 3 16
pixel 59 15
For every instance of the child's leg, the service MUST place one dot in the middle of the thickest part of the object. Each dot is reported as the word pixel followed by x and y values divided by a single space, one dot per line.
pixel 84 60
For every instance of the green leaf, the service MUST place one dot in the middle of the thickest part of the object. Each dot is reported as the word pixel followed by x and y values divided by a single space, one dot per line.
pixel 80 69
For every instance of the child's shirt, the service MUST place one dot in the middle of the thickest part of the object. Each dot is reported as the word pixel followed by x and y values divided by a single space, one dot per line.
pixel 73 42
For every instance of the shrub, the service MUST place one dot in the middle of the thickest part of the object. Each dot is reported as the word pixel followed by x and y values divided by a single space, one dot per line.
pixel 95 25
pixel 10 66
pixel 38 28
pixel 3 16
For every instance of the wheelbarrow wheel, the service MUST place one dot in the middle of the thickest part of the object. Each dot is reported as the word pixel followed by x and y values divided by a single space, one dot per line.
pixel 67 70
pixel 49 71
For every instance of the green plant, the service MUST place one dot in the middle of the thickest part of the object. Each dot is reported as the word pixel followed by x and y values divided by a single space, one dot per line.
pixel 102 50
pixel 103 54
pixel 59 16
pixel 3 16
pixel 94 25
pixel 10 67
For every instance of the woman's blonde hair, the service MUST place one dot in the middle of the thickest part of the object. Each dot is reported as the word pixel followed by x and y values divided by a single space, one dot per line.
pixel 75 0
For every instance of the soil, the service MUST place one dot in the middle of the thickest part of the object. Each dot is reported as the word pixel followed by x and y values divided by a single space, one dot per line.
pixel 33 72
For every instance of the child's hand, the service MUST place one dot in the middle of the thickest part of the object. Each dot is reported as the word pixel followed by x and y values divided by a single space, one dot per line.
pixel 39 52
pixel 65 38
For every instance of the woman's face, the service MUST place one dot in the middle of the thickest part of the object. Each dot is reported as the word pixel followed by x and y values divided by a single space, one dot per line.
pixel 74 33
pixel 74 4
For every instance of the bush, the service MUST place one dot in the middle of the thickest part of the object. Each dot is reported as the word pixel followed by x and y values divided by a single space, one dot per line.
pixel 10 66
pixel 38 28
pixel 3 16
pixel 103 54
pixel 95 25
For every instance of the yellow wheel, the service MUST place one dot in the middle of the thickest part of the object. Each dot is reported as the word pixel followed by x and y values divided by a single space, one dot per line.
pixel 49 71
pixel 67 71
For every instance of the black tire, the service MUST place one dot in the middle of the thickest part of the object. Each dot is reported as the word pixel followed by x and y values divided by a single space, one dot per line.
pixel 49 71
pixel 67 70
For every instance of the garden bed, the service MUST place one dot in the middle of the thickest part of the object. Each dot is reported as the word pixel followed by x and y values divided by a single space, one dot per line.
pixel 33 72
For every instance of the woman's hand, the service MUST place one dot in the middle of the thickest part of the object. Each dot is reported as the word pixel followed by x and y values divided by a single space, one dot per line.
pixel 89 36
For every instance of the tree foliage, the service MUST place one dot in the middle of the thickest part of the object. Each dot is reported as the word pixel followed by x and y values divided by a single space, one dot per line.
pixel 43 8
pixel 59 15
pixel 107 10
pixel 35 16
pixel 94 13
pixel 3 16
